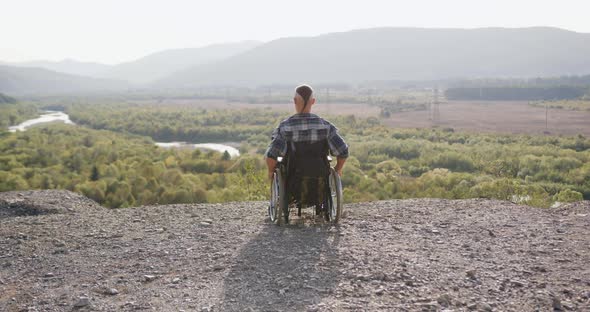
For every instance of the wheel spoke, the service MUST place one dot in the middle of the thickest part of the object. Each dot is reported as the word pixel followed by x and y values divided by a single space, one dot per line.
pixel 335 196
pixel 274 199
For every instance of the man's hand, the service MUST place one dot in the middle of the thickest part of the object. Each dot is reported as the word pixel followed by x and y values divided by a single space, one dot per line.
pixel 339 165
pixel 271 165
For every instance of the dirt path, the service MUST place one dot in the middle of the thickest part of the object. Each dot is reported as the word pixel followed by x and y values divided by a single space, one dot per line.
pixel 401 255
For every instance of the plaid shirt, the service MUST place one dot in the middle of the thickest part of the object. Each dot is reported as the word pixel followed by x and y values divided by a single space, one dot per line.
pixel 306 127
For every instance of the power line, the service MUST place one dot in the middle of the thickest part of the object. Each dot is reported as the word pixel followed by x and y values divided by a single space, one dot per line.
pixel 435 109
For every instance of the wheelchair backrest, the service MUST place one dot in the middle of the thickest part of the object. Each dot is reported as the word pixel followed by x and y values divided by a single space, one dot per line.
pixel 308 159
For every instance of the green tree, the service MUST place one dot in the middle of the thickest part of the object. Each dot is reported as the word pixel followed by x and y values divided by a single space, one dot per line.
pixel 94 176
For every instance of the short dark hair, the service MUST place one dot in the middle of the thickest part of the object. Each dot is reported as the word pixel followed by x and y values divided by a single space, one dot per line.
pixel 305 91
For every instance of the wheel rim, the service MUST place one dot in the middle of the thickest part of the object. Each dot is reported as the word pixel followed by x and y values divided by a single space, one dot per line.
pixel 333 198
pixel 274 199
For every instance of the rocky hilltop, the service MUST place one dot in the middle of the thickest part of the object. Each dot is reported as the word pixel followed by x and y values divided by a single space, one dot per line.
pixel 60 251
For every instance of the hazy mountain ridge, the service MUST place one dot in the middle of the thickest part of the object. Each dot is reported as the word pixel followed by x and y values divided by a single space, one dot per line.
pixel 143 70
pixel 29 80
pixel 399 53
pixel 161 64
pixel 67 66
pixel 367 55
pixel 5 99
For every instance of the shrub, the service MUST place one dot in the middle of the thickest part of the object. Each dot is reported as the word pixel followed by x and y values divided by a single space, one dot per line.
pixel 453 161
pixel 568 196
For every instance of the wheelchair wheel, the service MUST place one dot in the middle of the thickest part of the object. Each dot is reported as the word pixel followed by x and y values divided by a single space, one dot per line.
pixel 276 208
pixel 335 198
pixel 273 207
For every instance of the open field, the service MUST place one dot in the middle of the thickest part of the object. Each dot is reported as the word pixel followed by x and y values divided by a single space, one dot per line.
pixel 478 116
pixel 575 105
pixel 502 117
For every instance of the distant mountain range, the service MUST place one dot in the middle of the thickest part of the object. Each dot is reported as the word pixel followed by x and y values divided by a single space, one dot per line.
pixel 5 99
pixel 383 54
pixel 29 80
pixel 70 76
pixel 379 54
pixel 67 66
pixel 159 65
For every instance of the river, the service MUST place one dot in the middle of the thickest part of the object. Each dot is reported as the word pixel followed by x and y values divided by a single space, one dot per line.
pixel 49 116
pixel 54 116
pixel 233 152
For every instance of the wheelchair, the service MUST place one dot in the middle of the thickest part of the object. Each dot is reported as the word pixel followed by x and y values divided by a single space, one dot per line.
pixel 303 179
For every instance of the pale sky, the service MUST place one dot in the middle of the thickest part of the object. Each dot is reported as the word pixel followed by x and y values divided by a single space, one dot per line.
pixel 114 31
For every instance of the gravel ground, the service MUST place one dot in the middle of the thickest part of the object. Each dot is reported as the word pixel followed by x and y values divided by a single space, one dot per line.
pixel 60 251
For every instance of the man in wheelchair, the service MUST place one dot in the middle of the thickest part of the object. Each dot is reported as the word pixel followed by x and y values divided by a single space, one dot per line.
pixel 298 162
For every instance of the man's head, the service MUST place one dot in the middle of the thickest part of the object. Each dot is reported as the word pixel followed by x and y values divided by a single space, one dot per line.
pixel 303 99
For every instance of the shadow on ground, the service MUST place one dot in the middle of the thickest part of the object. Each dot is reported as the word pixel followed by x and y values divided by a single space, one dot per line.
pixel 284 268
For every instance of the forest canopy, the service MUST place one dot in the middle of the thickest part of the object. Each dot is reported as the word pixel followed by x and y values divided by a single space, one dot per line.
pixel 111 157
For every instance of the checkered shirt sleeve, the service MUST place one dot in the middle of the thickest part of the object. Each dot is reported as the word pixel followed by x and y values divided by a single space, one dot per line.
pixel 337 145
pixel 278 145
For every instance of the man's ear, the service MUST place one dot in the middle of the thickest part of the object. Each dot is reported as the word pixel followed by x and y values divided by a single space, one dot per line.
pixel 312 101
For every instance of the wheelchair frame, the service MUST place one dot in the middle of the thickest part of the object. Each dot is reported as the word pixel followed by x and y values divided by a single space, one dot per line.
pixel 281 201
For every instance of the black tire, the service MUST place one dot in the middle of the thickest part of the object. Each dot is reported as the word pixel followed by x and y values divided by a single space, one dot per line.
pixel 335 197
pixel 282 203
pixel 274 210
pixel 285 206
pixel 327 206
